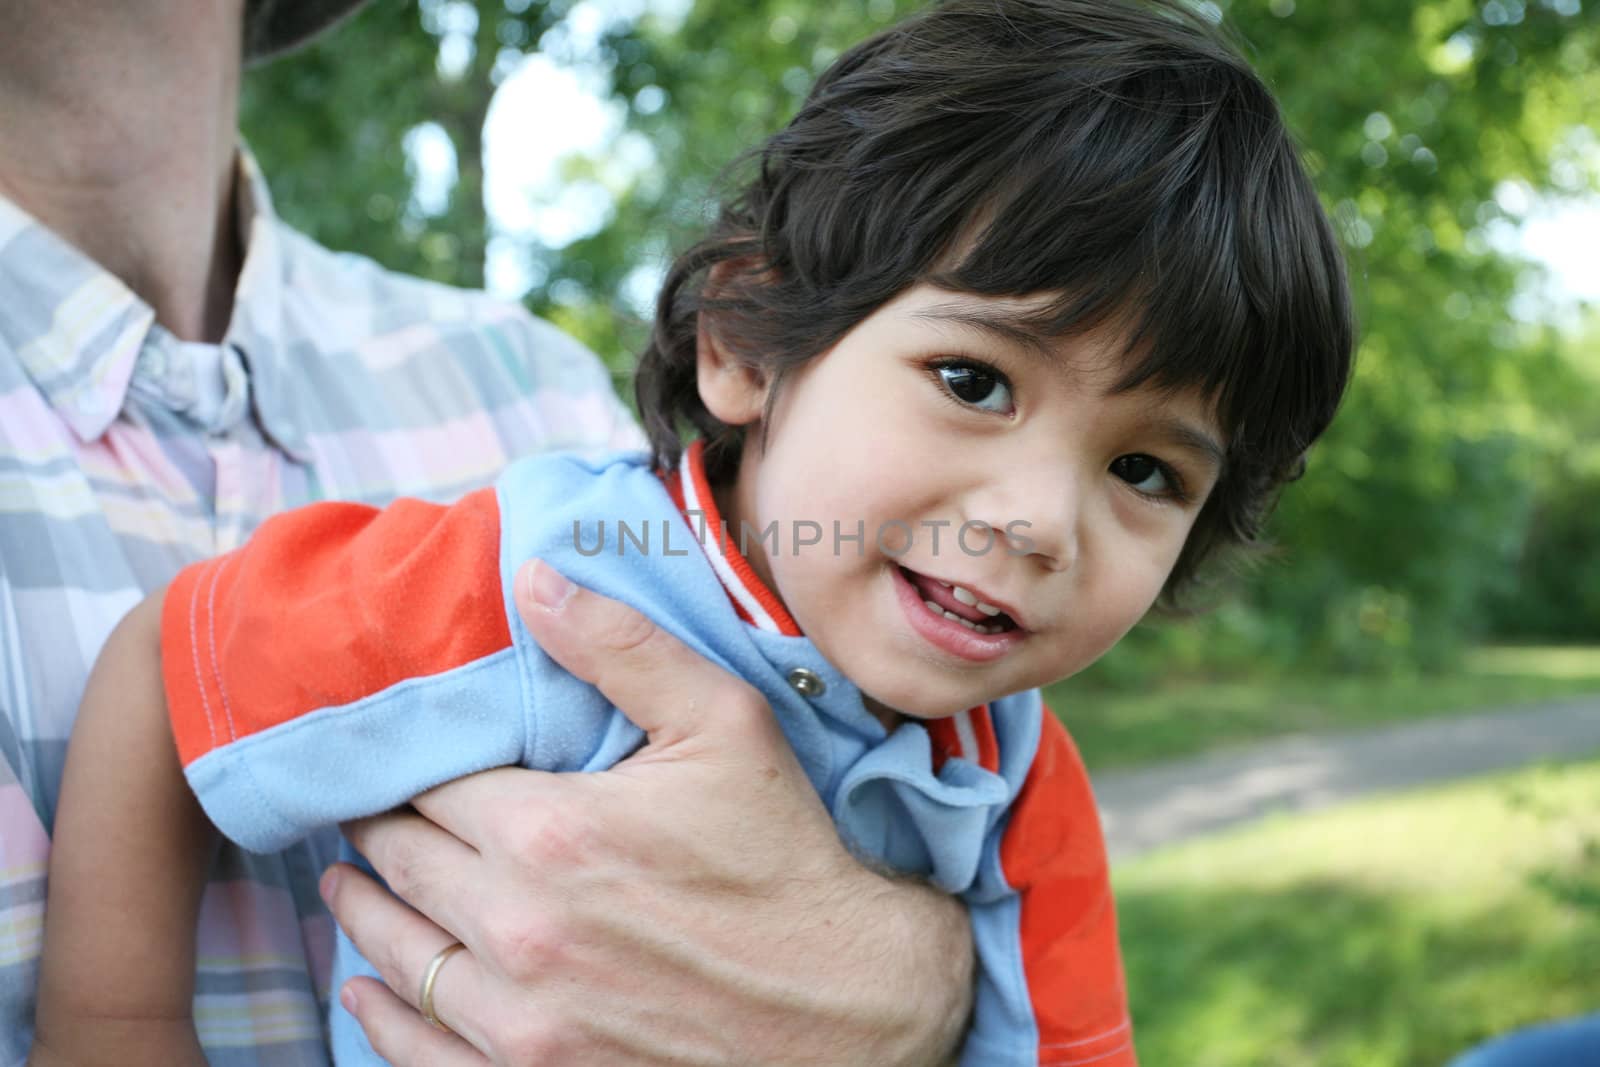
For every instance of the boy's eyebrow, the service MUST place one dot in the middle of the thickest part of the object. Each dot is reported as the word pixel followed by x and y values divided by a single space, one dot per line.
pixel 1015 327
pixel 1191 438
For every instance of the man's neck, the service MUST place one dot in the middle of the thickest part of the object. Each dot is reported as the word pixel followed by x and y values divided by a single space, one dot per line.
pixel 118 131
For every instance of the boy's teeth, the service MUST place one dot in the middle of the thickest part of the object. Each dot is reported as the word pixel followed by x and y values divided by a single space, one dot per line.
pixel 953 617
pixel 970 599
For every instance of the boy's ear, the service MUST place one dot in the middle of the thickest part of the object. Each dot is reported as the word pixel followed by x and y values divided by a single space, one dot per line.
pixel 733 391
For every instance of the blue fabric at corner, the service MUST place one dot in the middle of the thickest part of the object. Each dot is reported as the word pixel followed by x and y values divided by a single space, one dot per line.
pixel 1567 1043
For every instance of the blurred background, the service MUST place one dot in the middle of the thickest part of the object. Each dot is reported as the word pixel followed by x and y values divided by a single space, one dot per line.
pixel 1437 564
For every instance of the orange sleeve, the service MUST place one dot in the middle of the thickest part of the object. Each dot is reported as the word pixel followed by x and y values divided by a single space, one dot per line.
pixel 1054 856
pixel 324 606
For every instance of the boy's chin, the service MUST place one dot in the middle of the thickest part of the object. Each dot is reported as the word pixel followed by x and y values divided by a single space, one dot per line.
pixel 914 705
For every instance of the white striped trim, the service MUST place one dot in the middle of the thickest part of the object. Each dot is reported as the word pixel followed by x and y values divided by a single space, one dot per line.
pixel 967 736
pixel 1101 1036
pixel 719 562
pixel 1124 1047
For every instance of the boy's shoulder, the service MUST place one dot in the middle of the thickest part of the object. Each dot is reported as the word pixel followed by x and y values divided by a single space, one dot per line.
pixel 606 520
pixel 573 481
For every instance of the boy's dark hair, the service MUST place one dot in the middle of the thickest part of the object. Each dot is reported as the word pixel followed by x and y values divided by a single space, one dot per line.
pixel 1118 155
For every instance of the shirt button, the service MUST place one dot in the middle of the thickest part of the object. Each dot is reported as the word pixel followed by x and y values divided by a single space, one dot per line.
pixel 806 683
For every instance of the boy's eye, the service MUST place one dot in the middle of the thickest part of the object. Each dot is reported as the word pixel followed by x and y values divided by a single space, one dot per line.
pixel 978 385
pixel 1148 475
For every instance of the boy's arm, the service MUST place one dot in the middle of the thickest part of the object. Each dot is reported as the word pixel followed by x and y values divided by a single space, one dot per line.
pixel 131 850
pixel 345 659
pixel 1051 989
pixel 262 683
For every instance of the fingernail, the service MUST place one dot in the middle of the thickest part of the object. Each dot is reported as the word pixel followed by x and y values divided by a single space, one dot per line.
pixel 347 997
pixel 548 587
pixel 329 882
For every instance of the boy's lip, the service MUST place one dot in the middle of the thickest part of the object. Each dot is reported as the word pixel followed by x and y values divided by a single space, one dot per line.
pixel 980 594
pixel 949 637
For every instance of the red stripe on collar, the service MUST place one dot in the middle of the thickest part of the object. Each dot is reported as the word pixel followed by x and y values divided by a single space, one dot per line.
pixel 752 600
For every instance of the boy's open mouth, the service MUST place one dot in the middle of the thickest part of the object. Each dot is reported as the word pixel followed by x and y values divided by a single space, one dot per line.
pixel 959 604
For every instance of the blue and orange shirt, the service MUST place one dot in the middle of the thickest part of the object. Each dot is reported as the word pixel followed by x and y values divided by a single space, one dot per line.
pixel 348 658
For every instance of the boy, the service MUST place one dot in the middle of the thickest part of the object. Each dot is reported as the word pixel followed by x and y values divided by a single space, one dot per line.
pixel 1027 313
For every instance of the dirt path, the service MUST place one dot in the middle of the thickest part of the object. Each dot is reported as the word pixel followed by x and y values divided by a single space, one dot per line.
pixel 1152 806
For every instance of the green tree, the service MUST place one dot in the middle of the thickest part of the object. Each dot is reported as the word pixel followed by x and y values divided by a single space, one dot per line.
pixel 1556 592
pixel 332 125
pixel 1417 501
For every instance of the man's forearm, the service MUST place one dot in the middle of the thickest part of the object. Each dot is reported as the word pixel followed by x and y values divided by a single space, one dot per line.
pixel 936 955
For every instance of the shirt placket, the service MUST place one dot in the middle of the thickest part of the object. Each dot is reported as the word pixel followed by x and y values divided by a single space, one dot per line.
pixel 249 473
pixel 245 464
pixel 230 459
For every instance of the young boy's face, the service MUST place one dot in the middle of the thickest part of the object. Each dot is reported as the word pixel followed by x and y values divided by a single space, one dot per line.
pixel 936 413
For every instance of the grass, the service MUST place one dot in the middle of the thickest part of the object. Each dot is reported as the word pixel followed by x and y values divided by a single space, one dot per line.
pixel 1169 721
pixel 1390 933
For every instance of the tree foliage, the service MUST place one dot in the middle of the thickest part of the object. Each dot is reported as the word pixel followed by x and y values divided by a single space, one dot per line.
pixel 1439 492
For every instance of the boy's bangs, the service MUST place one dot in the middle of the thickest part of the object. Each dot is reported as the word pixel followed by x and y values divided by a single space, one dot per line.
pixel 1183 219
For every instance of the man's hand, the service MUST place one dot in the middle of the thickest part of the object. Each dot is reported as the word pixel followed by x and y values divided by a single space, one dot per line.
pixel 691 906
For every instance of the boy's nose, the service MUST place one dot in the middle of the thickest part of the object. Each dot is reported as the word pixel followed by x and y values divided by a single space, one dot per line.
pixel 1034 514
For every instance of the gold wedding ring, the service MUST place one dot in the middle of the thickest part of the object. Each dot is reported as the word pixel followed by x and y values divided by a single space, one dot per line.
pixel 425 1002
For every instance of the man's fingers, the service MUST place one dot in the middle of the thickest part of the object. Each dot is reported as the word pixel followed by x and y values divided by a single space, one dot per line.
pixel 661 684
pixel 477 808
pixel 414 856
pixel 400 943
pixel 400 1035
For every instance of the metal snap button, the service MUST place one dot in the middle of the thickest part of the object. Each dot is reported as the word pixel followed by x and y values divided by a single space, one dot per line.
pixel 806 683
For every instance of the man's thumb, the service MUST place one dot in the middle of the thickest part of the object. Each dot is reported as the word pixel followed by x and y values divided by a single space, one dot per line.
pixel 657 681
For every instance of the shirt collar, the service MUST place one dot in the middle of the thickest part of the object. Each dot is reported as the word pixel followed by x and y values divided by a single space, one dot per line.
pixel 78 329
pixel 257 328
pixel 752 600
pixel 75 327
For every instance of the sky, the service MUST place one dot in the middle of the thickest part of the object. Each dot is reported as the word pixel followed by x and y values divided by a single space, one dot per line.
pixel 1567 239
